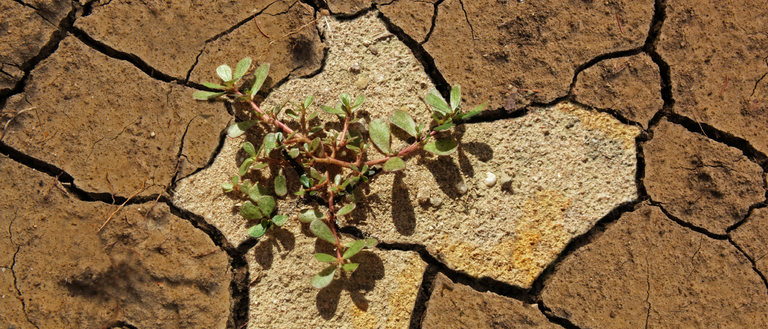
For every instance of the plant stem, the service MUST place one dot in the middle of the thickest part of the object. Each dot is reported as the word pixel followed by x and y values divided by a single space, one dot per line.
pixel 332 224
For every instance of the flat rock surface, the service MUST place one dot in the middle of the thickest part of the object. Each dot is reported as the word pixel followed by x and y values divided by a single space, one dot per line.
pixel 379 294
pixel 647 271
pixel 699 181
pixel 558 171
pixel 454 305
pixel 717 56
pixel 111 140
pixel 142 271
pixel 22 35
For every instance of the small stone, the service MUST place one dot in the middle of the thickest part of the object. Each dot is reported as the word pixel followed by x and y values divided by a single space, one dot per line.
pixel 152 134
pixel 461 187
pixel 490 179
pixel 373 50
pixel 435 201
pixel 423 196
pixel 355 68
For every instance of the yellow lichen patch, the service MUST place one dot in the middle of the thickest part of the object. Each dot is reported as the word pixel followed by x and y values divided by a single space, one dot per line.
pixel 402 300
pixel 541 234
pixel 604 122
pixel 362 318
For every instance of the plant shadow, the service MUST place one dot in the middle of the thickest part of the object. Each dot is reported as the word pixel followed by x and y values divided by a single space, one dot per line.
pixel 358 284
pixel 279 239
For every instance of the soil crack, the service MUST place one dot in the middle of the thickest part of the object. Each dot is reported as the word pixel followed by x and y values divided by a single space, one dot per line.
pixel 689 226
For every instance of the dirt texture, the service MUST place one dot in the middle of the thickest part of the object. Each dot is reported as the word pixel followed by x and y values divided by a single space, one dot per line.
pixel 58 271
pixel 699 181
pixel 647 271
pixel 454 305
pixel 617 179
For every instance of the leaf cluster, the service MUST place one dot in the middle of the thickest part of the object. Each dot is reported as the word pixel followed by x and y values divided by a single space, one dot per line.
pixel 334 163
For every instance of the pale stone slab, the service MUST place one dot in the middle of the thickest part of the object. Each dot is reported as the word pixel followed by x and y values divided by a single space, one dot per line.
pixel 380 294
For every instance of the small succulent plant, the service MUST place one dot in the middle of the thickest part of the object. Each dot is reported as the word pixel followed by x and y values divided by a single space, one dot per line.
pixel 334 164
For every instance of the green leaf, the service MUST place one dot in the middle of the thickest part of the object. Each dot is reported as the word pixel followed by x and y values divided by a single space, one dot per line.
pixel 293 153
pixel 443 147
pixel 258 230
pixel 259 76
pixel 308 101
pixel 379 132
pixel 250 211
pixel 206 95
pixel 474 112
pixel 331 110
pixel 370 243
pixel 281 188
pixel 292 114
pixel 322 231
pixel 444 126
pixel 266 204
pixel 235 179
pixel 242 66
pixel 213 85
pixel 279 220
pixel 224 72
pixel 324 278
pixel 245 166
pixel 455 97
pixel 248 147
pixel 228 187
pixel 358 102
pixel 312 116
pixel 239 128
pixel 325 258
pixel 344 98
pixel 404 121
pixel 394 164
pixel 437 102
pixel 351 267
pixel 305 181
pixel 354 248
pixel 256 191
pixel 346 209
pixel 270 143
pixel 245 186
pixel 307 216
pixel 260 165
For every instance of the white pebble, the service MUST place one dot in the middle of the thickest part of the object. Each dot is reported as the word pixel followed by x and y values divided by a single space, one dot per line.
pixel 435 201
pixel 490 179
pixel 461 187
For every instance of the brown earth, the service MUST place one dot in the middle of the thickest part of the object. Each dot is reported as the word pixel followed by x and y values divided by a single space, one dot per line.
pixel 97 111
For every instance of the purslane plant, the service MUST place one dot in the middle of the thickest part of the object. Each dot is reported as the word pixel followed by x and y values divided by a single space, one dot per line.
pixel 334 163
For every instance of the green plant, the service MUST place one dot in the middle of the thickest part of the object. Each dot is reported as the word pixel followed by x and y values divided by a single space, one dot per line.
pixel 335 163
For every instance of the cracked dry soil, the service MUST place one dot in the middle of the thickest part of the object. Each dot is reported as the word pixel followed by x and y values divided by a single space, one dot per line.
pixel 97 111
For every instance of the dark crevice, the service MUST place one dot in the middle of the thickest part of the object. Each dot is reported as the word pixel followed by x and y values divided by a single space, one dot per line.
pixel 600 58
pixel 751 260
pixel 482 284
pixel 211 159
pixel 46 51
pixel 422 296
pixel 128 57
pixel 122 324
pixel 426 60
pixel 721 137
pixel 238 24
pixel 466 17
pixel 687 225
pixel 192 68
pixel 563 322
pixel 759 205
pixel 659 16
pixel 13 269
pixel 434 23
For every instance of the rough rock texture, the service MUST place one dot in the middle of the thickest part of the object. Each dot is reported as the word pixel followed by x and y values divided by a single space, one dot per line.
pixel 169 36
pixel 392 79
pixel 22 34
pixel 717 55
pixel 631 86
pixel 144 272
pixel 559 171
pixel 492 46
pixel 89 128
pixel 700 181
pixel 293 47
pixel 647 271
pixel 379 294
pixel 454 305
pixel 413 16
pixel 348 7
pixel 752 238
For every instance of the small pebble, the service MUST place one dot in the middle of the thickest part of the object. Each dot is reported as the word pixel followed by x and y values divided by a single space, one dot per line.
pixel 373 50
pixel 461 187
pixel 355 68
pixel 435 201
pixel 490 179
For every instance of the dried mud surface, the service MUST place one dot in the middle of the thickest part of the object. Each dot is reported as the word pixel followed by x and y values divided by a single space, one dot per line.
pixel 664 228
